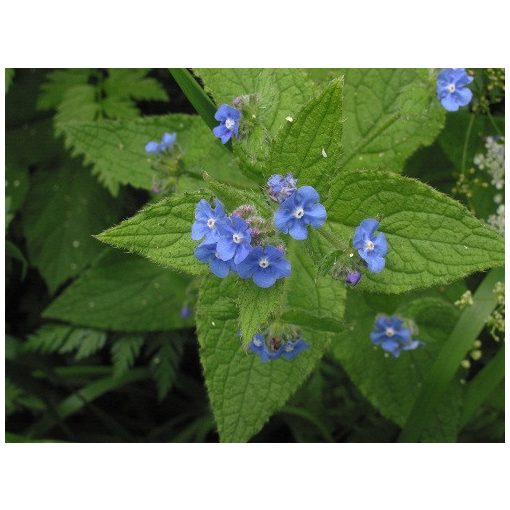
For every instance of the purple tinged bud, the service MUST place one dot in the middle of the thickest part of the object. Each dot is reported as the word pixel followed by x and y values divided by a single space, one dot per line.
pixel 244 210
pixel 281 248
pixel 185 312
pixel 353 278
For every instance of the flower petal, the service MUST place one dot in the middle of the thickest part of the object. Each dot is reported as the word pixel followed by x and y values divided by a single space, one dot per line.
pixel 316 215
pixel 375 263
pixel 380 245
pixel 225 248
pixel 298 231
pixel 264 278
pixel 219 267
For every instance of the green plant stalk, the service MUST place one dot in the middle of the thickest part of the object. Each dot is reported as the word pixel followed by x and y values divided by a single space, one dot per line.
pixel 196 95
pixel 467 329
pixel 482 386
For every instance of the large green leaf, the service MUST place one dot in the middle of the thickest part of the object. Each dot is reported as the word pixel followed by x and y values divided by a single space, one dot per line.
pixel 388 114
pixel 278 94
pixel 116 149
pixel 392 385
pixel 123 292
pixel 432 239
pixel 311 145
pixel 63 209
pixel 244 391
pixel 162 233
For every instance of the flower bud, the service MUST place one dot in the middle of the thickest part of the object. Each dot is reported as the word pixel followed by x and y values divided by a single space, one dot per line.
pixel 353 278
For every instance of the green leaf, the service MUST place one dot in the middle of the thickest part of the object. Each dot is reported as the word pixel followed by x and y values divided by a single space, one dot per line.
pixel 162 233
pixel 278 94
pixel 311 145
pixel 133 83
pixel 56 85
pixel 64 207
pixel 388 114
pixel 165 362
pixel 116 149
pixel 63 339
pixel 483 385
pixel 125 350
pixel 393 384
pixel 446 364
pixel 78 103
pixel 432 239
pixel 122 292
pixel 256 305
pixel 244 391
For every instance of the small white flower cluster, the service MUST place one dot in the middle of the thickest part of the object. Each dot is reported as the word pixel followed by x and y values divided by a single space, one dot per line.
pixel 498 220
pixel 493 162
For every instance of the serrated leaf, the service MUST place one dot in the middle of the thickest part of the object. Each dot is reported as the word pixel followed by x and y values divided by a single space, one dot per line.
pixel 162 233
pixel 311 145
pixel 90 341
pixel 64 208
pixel 165 362
pixel 244 391
pixel 78 103
pixel 135 84
pixel 48 338
pixel 116 149
pixel 123 292
pixel 390 384
pixel 432 239
pixel 125 350
pixel 56 85
pixel 256 305
pixel 279 93
pixel 388 114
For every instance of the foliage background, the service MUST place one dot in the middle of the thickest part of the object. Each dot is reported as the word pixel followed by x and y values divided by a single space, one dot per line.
pixel 96 349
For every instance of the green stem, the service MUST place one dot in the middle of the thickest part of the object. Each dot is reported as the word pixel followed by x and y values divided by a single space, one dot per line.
pixel 482 386
pixel 442 372
pixel 466 143
pixel 494 125
pixel 333 240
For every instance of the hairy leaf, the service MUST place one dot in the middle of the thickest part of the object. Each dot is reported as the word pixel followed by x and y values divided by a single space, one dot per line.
pixel 162 233
pixel 116 149
pixel 392 384
pixel 63 209
pixel 311 145
pixel 123 292
pixel 432 239
pixel 244 391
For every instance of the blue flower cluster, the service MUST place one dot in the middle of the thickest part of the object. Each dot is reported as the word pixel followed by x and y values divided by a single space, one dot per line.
pixel 371 248
pixel 167 142
pixel 227 246
pixel 392 336
pixel 452 90
pixel 299 207
pixel 276 349
pixel 229 118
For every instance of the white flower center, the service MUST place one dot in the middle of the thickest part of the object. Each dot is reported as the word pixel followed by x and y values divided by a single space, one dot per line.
pixel 263 263
pixel 298 213
pixel 451 88
pixel 289 348
pixel 369 245
pixel 211 222
pixel 236 238
pixel 390 332
pixel 230 123
pixel 257 342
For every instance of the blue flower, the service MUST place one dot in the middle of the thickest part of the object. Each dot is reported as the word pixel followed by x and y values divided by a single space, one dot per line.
pixel 392 336
pixel 452 90
pixel 207 220
pixel 229 123
pixel 234 239
pixel 371 248
pixel 291 349
pixel 265 264
pixel 280 187
pixel 302 208
pixel 166 143
pixel 185 312
pixel 258 346
pixel 352 278
pixel 206 252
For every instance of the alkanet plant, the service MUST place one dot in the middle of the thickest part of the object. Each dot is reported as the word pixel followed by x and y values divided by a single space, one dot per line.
pixel 294 229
